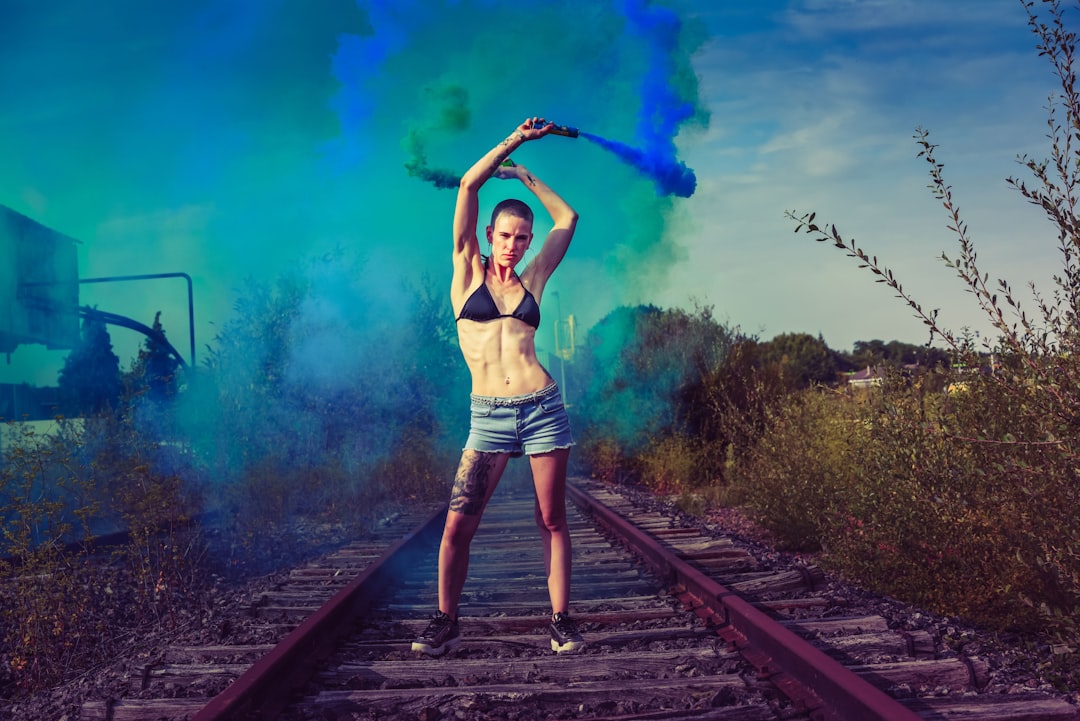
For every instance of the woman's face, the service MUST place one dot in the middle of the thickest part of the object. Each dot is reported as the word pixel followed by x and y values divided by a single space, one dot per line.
pixel 509 238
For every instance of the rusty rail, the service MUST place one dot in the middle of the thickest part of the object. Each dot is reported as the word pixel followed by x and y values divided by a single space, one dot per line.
pixel 331 665
pixel 826 688
pixel 262 691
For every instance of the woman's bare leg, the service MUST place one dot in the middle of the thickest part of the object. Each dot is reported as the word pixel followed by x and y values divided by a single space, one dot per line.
pixel 475 481
pixel 549 480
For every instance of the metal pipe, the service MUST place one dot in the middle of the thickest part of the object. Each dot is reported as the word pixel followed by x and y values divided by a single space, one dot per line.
pixel 156 276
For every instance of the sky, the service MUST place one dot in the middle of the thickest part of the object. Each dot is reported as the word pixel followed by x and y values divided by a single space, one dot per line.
pixel 233 139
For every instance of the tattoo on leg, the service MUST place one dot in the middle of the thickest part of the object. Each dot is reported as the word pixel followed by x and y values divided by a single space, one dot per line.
pixel 471 484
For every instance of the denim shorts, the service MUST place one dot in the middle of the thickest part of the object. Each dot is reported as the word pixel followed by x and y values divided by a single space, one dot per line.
pixel 529 424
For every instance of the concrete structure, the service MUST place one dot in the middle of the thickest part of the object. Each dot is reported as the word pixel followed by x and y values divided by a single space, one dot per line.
pixel 39 284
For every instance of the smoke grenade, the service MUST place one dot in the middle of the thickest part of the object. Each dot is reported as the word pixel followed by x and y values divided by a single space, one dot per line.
pixel 564 130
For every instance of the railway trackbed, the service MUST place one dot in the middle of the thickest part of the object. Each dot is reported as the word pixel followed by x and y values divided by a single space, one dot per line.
pixel 681 624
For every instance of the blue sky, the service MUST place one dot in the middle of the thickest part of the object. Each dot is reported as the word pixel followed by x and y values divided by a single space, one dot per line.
pixel 228 138
pixel 814 107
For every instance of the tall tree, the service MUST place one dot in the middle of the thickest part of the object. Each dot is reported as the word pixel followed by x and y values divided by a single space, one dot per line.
pixel 804 358
pixel 868 353
pixel 640 362
pixel 155 368
pixel 89 382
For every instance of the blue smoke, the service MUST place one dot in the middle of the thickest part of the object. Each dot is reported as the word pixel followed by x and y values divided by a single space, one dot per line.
pixel 412 43
pixel 671 176
pixel 663 110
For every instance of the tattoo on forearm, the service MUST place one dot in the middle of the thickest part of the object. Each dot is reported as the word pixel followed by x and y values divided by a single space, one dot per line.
pixel 503 155
pixel 530 179
pixel 471 484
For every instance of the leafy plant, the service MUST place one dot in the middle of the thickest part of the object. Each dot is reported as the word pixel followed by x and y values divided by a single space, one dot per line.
pixel 313 411
pixel 643 367
pixel 984 472
pixel 794 478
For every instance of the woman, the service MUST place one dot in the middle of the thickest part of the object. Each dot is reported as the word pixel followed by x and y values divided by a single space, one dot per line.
pixel 516 407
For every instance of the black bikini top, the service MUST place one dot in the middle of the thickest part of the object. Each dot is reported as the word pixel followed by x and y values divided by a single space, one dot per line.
pixel 481 307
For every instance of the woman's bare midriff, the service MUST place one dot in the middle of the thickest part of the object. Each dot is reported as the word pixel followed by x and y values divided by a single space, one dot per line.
pixel 501 357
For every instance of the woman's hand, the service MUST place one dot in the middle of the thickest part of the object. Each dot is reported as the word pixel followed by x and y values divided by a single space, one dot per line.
pixel 510 170
pixel 534 128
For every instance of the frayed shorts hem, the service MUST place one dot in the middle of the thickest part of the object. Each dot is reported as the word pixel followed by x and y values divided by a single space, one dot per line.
pixel 517 453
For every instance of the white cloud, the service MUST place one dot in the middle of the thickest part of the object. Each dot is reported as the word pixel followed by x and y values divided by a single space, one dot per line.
pixel 822 18
pixel 822 119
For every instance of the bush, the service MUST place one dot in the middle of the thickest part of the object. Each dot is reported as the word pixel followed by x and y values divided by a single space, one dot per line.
pixel 43 505
pixel 672 463
pixel 902 500
pixel 59 611
pixel 645 366
pixel 323 397
pixel 795 477
pixel 967 499
pixel 305 417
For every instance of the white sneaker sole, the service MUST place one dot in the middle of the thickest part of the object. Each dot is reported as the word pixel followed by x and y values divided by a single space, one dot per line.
pixel 435 650
pixel 568 647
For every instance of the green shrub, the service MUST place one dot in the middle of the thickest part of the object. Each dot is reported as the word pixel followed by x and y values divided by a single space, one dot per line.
pixel 794 478
pixel 673 464
pixel 927 496
pixel 59 612
pixel 670 397
pixel 968 500
pixel 602 456
pixel 639 364
pixel 43 505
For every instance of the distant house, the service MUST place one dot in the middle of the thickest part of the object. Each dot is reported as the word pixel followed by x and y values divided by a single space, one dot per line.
pixel 866 378
pixel 874 375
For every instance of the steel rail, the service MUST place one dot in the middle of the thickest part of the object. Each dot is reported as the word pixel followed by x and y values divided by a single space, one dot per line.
pixel 842 695
pixel 262 691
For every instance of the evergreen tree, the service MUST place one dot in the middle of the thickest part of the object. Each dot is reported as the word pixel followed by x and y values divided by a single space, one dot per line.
pixel 155 369
pixel 89 382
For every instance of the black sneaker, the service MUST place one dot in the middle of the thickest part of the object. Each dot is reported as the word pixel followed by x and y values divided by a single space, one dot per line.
pixel 440 636
pixel 564 635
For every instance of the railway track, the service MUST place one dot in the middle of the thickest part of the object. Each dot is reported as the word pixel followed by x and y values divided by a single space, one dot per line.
pixel 681 624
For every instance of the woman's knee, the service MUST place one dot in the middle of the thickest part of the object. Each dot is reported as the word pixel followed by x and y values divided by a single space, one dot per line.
pixel 459 529
pixel 551 521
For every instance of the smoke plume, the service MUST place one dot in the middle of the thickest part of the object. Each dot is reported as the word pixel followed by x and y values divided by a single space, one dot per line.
pixel 449 80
